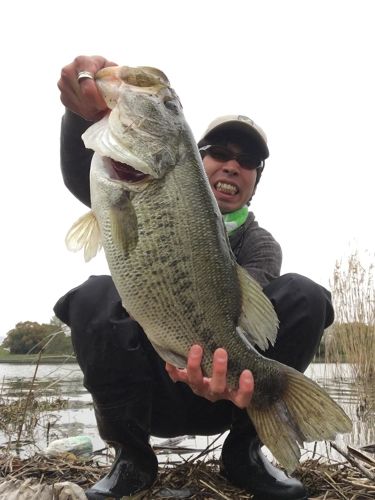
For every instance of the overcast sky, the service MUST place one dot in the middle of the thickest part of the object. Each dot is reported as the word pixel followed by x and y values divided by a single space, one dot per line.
pixel 303 70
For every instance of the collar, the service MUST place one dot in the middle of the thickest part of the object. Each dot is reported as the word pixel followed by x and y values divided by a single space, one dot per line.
pixel 234 220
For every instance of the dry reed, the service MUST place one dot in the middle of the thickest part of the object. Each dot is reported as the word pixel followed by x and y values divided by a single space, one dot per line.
pixel 352 337
pixel 199 479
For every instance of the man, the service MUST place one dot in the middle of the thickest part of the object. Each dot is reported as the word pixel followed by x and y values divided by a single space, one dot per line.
pixel 134 393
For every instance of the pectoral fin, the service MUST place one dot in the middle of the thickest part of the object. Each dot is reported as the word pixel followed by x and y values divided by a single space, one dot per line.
pixel 124 226
pixel 85 234
pixel 258 319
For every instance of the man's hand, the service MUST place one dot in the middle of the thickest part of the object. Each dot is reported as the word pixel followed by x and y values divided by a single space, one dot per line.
pixel 215 387
pixel 82 97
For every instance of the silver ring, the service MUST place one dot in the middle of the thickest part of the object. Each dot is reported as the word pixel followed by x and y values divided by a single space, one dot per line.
pixel 85 74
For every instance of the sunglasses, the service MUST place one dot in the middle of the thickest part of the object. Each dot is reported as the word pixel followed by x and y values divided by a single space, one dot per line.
pixel 220 153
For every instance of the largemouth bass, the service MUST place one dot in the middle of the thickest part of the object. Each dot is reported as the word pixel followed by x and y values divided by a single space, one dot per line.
pixel 154 213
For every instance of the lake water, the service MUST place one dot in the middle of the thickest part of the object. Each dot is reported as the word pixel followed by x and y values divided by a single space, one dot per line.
pixel 65 381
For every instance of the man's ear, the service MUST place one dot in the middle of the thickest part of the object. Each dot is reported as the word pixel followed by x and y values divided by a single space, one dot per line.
pixel 252 194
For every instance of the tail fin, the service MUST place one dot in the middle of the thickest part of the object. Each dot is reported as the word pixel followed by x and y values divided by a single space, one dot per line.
pixel 305 413
pixel 85 234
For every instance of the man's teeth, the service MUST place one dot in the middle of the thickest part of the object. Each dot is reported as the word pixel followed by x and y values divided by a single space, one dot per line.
pixel 226 188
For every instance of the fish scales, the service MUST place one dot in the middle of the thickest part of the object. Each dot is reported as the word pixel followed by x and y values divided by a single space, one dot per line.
pixel 169 256
pixel 169 262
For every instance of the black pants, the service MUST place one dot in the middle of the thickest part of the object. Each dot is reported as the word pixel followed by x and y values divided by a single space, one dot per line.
pixel 121 368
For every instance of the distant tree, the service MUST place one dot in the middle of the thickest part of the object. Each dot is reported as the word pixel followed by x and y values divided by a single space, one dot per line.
pixel 59 344
pixel 31 336
pixel 56 321
pixel 62 326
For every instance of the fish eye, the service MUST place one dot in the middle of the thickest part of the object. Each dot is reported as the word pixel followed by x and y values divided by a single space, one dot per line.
pixel 170 103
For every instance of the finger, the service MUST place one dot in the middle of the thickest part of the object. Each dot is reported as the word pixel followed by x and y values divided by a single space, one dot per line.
pixel 171 370
pixel 89 92
pixel 88 89
pixel 219 371
pixel 176 374
pixel 68 80
pixel 242 397
pixel 70 90
pixel 193 367
pixel 92 64
pixel 83 97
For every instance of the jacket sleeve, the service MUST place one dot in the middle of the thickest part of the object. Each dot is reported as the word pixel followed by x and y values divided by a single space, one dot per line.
pixel 264 262
pixel 75 159
pixel 259 253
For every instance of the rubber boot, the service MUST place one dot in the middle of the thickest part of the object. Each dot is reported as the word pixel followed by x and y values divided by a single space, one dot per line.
pixel 117 361
pixel 245 466
pixel 135 466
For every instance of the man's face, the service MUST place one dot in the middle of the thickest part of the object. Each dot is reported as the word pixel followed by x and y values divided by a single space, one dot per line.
pixel 232 185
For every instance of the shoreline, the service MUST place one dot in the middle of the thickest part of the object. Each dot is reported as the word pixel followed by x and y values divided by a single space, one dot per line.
pixel 24 359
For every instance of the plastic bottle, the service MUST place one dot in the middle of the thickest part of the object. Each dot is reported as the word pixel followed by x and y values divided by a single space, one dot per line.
pixel 78 445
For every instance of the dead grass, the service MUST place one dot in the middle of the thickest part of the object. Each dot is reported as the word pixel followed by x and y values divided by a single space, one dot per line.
pixel 353 478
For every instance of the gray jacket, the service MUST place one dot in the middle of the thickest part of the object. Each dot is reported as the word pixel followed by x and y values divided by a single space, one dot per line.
pixel 255 248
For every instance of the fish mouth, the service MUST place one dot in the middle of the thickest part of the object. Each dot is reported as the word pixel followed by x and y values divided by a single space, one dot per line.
pixel 126 172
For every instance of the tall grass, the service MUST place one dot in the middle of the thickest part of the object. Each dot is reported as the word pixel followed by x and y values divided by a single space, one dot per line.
pixel 351 338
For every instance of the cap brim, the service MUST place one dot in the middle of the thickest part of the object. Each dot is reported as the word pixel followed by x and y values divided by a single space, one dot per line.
pixel 244 128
